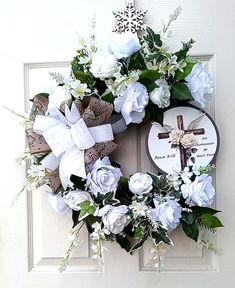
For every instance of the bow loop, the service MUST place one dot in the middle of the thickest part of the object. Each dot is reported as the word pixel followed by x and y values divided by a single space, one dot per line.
pixel 76 136
pixel 81 135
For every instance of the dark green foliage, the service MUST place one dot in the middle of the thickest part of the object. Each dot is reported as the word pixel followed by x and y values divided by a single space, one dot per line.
pixel 190 62
pixel 180 91
pixel 123 193
pixel 182 53
pixel 135 62
pixel 148 78
pixel 188 217
pixel 204 210
pixel 154 113
pixel 161 236
pixel 152 39
pixel 79 73
pixel 191 230
pixel 107 199
pixel 123 242
pixel 78 182
pixel 210 221
pixel 108 97
pixel 75 216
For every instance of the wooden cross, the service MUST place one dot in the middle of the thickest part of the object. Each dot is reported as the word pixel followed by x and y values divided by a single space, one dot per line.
pixel 180 125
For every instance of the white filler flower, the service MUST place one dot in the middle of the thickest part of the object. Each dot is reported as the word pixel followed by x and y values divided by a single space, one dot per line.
pixel 199 192
pixel 140 183
pixel 103 177
pixel 200 84
pixel 132 103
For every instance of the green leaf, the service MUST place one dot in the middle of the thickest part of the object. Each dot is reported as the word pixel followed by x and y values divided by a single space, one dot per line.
pixel 140 243
pixel 159 183
pixel 123 193
pixel 108 97
pixel 136 61
pixel 82 76
pixel 90 219
pixel 204 210
pixel 78 182
pixel 181 92
pixel 188 217
pixel 187 69
pixel 152 39
pixel 75 217
pixel 155 114
pixel 182 53
pixel 79 74
pixel 191 230
pixel 123 242
pixel 148 77
pixel 139 232
pixel 107 199
pixel 87 209
pixel 211 221
pixel 161 236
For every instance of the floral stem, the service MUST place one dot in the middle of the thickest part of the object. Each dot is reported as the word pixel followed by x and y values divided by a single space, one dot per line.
pixel 65 261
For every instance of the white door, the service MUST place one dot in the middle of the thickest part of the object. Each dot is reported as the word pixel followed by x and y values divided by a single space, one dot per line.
pixel 40 36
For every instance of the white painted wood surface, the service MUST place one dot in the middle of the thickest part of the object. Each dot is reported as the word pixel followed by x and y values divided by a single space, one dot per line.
pixel 37 36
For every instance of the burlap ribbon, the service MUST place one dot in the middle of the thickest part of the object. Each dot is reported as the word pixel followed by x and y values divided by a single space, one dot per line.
pixel 93 111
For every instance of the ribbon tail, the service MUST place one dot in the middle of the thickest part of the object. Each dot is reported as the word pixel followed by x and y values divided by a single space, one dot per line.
pixel 72 163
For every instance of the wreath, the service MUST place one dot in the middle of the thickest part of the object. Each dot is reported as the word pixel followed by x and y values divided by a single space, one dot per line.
pixel 130 81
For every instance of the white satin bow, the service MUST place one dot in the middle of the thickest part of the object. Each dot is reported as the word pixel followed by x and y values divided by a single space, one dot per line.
pixel 68 137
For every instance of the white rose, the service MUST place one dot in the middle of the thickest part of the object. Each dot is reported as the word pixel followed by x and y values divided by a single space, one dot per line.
pixel 168 213
pixel 124 45
pixel 161 95
pixel 199 192
pixel 132 103
pixel 140 183
pixel 200 84
pixel 103 177
pixel 58 204
pixel 75 198
pixel 59 95
pixel 114 218
pixel 175 136
pixel 103 65
pixel 188 140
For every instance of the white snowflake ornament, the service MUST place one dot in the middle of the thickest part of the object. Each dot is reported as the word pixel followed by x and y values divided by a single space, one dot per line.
pixel 130 19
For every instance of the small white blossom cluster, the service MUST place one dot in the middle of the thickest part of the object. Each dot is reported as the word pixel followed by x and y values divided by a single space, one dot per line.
pixel 71 87
pixel 26 156
pixel 35 175
pixel 167 66
pixel 98 236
